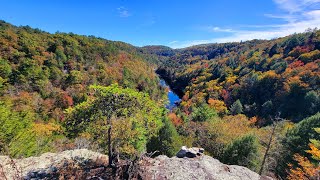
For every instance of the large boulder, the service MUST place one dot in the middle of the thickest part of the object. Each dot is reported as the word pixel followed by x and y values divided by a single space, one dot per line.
pixel 47 163
pixel 202 167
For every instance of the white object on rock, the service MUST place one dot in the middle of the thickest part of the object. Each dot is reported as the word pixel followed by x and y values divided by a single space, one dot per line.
pixel 183 152
pixel 189 152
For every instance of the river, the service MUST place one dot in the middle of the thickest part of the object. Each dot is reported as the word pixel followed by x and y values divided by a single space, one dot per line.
pixel 173 98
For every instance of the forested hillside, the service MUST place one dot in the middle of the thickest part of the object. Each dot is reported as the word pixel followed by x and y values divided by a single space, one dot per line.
pixel 265 77
pixel 240 100
pixel 253 103
pixel 45 76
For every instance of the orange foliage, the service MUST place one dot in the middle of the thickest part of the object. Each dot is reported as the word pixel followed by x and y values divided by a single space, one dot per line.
pixel 175 119
pixel 315 152
pixel 296 64
pixel 186 96
pixel 306 169
pixel 218 105
pixel 294 81
pixel 253 120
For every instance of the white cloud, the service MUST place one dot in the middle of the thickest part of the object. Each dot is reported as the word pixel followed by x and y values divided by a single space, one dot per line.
pixel 285 17
pixel 173 42
pixel 293 6
pixel 297 16
pixel 218 29
pixel 123 12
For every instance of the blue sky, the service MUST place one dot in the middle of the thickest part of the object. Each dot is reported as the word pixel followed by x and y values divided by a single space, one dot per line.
pixel 174 23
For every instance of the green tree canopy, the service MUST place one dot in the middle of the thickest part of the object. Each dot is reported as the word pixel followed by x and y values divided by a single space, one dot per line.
pixel 297 141
pixel 242 151
pixel 203 113
pixel 236 108
pixel 167 141
pixel 135 111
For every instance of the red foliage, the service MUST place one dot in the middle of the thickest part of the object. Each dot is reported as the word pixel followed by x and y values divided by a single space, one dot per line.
pixel 296 64
pixel 225 95
pixel 64 100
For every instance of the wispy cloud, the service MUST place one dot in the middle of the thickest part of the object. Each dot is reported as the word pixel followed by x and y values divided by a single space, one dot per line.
pixel 219 29
pixel 293 6
pixel 123 12
pixel 297 16
pixel 285 17
pixel 173 42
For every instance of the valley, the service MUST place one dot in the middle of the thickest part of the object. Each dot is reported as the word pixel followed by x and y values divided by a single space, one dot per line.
pixel 253 103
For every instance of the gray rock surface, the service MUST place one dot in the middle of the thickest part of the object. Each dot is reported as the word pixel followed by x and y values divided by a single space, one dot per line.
pixel 35 166
pixel 161 167
pixel 201 167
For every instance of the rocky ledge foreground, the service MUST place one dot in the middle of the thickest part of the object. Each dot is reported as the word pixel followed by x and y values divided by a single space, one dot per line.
pixel 202 167
pixel 85 164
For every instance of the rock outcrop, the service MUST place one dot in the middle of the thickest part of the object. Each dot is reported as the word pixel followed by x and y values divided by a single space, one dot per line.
pixel 202 167
pixel 50 163
pixel 85 164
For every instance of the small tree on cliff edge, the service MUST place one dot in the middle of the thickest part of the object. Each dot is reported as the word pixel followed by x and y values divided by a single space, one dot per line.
pixel 114 102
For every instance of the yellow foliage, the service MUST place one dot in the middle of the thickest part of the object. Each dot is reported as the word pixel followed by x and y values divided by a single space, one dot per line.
pixel 213 86
pixel 232 127
pixel 315 152
pixel 124 135
pixel 294 81
pixel 306 171
pixel 270 74
pixel 231 80
pixel 218 105
pixel 42 129
pixel 85 135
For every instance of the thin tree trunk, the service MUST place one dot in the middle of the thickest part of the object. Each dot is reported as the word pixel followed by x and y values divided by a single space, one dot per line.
pixel 109 142
pixel 268 148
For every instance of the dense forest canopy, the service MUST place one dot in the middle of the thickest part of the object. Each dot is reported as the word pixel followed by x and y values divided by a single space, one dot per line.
pixel 44 74
pixel 253 103
pixel 267 77
pixel 258 87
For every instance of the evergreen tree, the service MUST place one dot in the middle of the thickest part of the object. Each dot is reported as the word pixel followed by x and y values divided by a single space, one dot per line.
pixel 236 108
pixel 167 142
pixel 242 151
pixel 297 141
pixel 203 113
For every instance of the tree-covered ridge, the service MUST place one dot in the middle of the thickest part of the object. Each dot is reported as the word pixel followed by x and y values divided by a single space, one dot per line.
pixel 65 91
pixel 43 74
pixel 266 77
pixel 56 69
pixel 239 101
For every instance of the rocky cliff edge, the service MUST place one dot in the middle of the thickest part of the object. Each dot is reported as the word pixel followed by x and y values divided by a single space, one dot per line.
pixel 86 164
